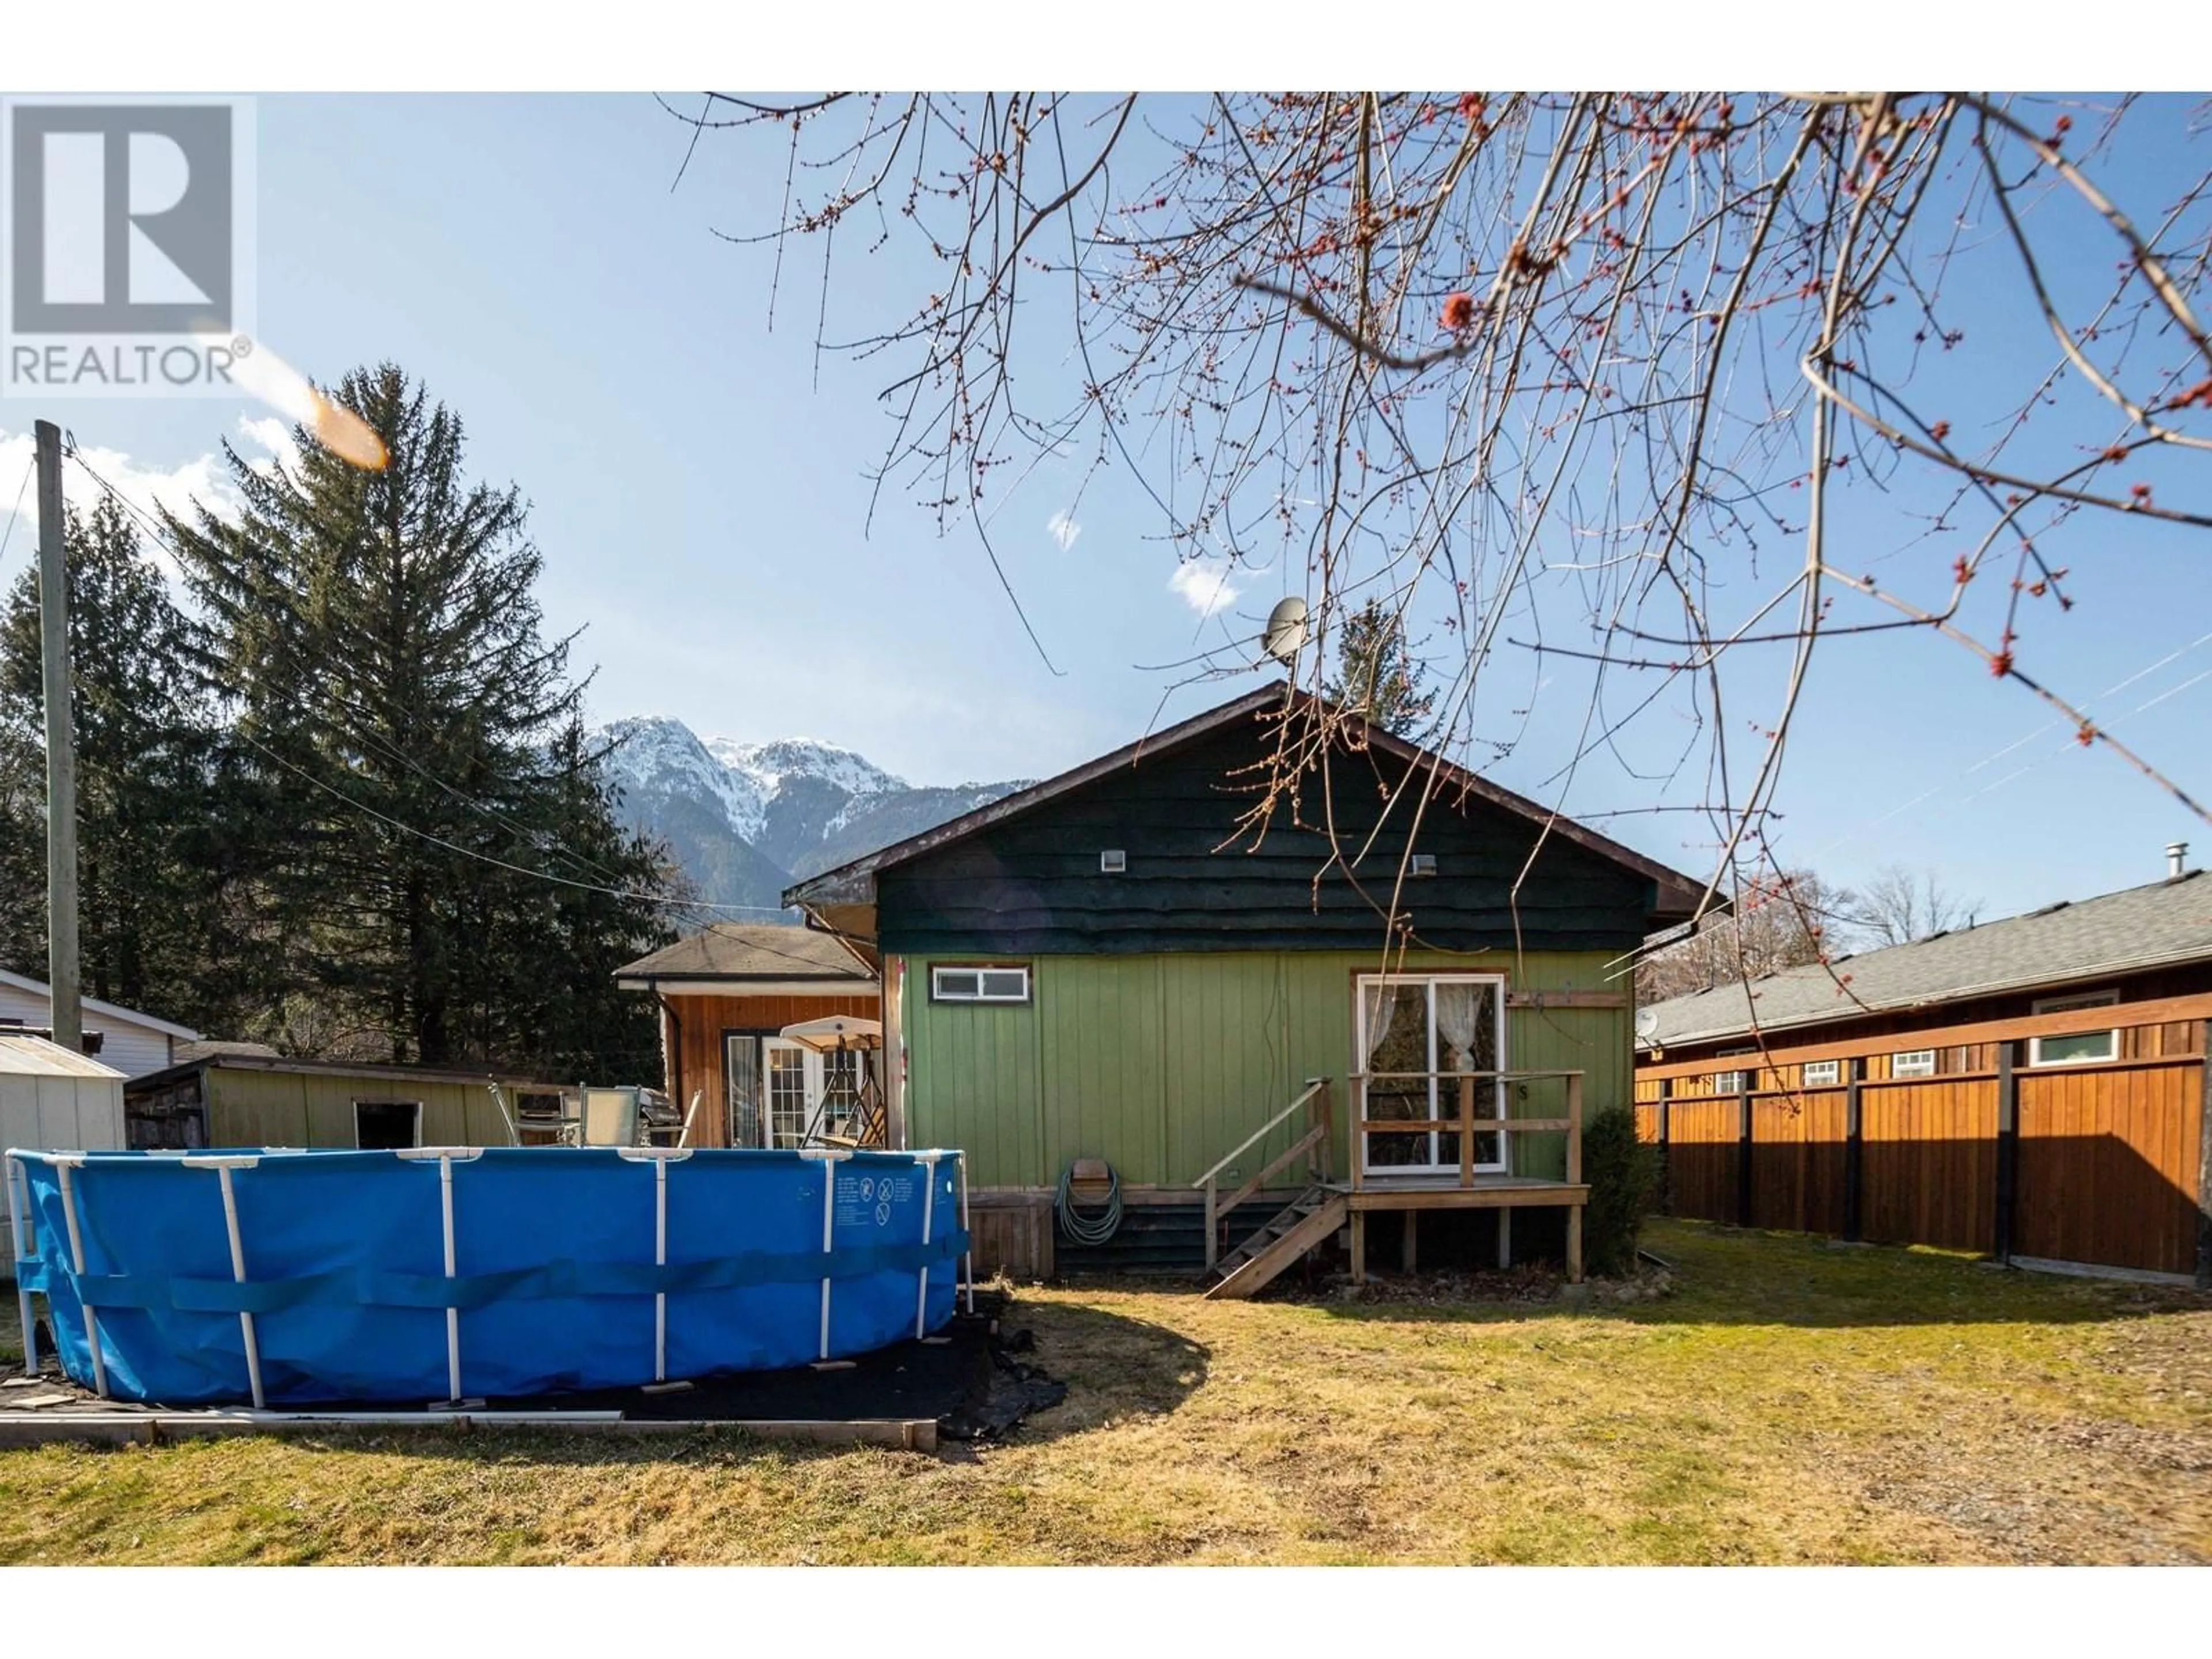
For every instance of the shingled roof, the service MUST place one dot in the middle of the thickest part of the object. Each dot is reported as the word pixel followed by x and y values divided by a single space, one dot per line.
pixel 744 952
pixel 2157 926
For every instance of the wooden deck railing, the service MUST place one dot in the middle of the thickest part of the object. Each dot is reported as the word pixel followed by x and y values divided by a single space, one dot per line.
pixel 1315 1146
pixel 1464 1123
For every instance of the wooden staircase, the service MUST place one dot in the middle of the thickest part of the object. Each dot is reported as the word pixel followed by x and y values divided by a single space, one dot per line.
pixel 1308 1220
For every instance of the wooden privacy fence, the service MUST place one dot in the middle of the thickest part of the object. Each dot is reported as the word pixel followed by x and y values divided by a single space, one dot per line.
pixel 2107 1163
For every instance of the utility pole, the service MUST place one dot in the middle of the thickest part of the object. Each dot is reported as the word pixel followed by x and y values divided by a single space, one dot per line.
pixel 68 1016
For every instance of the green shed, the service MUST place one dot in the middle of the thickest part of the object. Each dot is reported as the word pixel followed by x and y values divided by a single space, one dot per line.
pixel 239 1095
pixel 1126 964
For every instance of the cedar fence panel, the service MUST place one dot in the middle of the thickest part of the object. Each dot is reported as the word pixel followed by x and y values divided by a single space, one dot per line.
pixel 1797 1161
pixel 2108 1166
pixel 1931 1163
pixel 2111 1162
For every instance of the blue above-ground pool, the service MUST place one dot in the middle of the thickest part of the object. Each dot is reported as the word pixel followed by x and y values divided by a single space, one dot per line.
pixel 298 1278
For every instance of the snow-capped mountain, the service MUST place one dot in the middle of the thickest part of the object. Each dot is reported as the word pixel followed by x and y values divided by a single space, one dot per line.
pixel 747 820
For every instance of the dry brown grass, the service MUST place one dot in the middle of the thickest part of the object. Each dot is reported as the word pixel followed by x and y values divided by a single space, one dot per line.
pixel 1790 1403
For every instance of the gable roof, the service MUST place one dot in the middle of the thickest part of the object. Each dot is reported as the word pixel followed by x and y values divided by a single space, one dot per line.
pixel 104 1010
pixel 751 951
pixel 854 883
pixel 2160 925
pixel 22 1055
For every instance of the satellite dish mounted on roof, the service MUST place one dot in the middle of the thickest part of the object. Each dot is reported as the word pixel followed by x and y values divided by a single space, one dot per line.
pixel 1285 632
pixel 1647 1023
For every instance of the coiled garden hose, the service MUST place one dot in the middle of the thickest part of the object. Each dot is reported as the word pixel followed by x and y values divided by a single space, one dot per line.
pixel 1088 1227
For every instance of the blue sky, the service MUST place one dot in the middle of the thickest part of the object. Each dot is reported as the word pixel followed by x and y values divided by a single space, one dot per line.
pixel 702 505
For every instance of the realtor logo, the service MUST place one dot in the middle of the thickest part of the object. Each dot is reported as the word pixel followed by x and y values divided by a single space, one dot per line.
pixel 128 268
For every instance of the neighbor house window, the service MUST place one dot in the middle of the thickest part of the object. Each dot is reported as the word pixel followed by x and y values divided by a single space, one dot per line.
pixel 383 1126
pixel 979 984
pixel 1728 1083
pixel 2083 1046
pixel 1913 1062
pixel 1820 1073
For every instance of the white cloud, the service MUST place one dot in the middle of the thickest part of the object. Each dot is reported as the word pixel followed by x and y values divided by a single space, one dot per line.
pixel 1203 584
pixel 204 480
pixel 1063 529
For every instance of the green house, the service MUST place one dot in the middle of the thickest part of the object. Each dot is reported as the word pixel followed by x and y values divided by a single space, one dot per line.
pixel 1133 962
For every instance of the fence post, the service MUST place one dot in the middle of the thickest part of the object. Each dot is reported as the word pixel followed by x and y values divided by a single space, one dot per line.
pixel 1665 1147
pixel 1743 1150
pixel 2204 1157
pixel 1854 1152
pixel 2007 1151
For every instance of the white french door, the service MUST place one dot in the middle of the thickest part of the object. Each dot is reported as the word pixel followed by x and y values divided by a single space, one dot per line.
pixel 777 1087
pixel 1414 1034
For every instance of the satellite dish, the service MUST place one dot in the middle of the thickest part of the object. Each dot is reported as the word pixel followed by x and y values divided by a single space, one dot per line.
pixel 1647 1023
pixel 1285 632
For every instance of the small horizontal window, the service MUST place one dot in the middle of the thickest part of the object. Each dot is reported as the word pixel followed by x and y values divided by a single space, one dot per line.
pixel 2080 1048
pixel 979 985
pixel 1819 1073
pixel 1913 1062
pixel 1728 1083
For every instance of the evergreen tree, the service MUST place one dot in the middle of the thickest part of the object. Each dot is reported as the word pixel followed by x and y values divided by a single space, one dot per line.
pixel 152 869
pixel 1377 675
pixel 396 721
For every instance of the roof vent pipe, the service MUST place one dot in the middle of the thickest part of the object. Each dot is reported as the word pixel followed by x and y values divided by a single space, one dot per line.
pixel 2177 853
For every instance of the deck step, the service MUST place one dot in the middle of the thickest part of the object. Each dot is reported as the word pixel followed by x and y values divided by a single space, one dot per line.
pixel 1310 1220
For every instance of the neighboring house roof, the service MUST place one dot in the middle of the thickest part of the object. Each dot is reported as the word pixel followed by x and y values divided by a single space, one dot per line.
pixel 231 1057
pixel 105 1010
pixel 854 883
pixel 22 1055
pixel 752 954
pixel 217 1049
pixel 2161 924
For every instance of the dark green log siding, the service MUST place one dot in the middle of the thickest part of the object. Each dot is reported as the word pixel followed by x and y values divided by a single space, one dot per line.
pixel 1033 884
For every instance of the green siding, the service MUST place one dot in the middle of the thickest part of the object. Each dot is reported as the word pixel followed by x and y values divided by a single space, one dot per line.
pixel 1160 1064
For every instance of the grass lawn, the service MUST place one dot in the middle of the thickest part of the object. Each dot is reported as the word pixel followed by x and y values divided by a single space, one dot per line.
pixel 1790 1403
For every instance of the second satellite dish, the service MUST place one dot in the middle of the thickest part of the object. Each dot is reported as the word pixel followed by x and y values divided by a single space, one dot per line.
pixel 1285 633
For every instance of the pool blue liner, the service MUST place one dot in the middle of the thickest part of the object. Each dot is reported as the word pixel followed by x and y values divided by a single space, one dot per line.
pixel 570 1268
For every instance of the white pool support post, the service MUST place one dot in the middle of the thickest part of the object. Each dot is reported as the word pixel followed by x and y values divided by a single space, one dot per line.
pixel 452 1313
pixel 27 1245
pixel 928 1163
pixel 830 1157
pixel 238 1273
pixel 65 1166
pixel 967 1256
pixel 660 1260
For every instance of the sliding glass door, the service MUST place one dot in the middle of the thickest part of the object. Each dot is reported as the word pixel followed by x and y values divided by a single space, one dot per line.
pixel 1418 1037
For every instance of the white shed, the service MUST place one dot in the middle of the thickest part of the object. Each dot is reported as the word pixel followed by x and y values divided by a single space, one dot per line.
pixel 52 1100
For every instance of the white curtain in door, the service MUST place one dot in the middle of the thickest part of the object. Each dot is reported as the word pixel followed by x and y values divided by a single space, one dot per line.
pixel 1381 1006
pixel 1459 1016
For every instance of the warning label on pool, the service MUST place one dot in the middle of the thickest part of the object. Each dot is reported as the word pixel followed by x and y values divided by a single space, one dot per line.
pixel 868 1201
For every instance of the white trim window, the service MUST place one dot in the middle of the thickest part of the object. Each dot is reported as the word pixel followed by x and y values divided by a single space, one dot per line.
pixel 1822 1075
pixel 1913 1062
pixel 1728 1083
pixel 981 982
pixel 2077 1049
pixel 386 1125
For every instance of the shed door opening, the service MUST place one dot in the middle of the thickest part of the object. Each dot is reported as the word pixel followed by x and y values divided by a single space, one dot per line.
pixel 383 1126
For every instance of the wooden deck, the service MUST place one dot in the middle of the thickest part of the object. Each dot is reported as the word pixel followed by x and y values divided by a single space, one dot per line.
pixel 1327 1201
